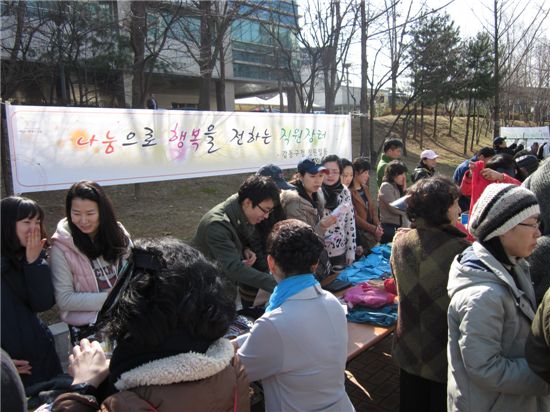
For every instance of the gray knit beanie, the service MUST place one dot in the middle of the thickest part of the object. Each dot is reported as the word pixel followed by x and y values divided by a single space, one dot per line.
pixel 500 208
pixel 539 184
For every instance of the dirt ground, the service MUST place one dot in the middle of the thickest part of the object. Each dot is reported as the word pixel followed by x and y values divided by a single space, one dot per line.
pixel 174 208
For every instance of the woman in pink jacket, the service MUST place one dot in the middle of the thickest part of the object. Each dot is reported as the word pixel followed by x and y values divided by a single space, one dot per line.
pixel 89 251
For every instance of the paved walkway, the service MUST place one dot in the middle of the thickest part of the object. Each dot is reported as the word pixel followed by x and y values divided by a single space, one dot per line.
pixel 373 379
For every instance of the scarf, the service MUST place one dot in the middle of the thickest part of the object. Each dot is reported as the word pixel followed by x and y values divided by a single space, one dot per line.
pixel 332 193
pixel 289 287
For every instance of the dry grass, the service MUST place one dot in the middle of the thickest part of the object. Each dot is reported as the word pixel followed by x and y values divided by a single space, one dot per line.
pixel 175 207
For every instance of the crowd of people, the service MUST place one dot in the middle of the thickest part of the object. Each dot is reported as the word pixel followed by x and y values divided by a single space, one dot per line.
pixel 147 317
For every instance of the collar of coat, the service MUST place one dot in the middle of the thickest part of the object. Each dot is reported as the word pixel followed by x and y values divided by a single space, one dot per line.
pixel 524 295
pixel 184 367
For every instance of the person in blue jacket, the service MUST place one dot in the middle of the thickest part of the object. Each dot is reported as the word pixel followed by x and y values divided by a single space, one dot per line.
pixel 26 290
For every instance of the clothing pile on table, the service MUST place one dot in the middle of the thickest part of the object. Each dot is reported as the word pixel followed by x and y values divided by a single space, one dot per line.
pixel 372 299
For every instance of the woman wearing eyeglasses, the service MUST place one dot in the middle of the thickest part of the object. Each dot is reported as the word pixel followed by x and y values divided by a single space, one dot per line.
pixel 492 306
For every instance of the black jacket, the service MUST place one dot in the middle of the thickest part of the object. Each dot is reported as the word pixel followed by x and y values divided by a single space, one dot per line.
pixel 24 336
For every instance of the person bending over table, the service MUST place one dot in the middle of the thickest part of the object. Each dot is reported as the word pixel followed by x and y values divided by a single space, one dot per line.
pixel 298 348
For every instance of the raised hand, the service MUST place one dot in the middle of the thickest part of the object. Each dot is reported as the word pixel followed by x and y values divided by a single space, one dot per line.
pixel 34 244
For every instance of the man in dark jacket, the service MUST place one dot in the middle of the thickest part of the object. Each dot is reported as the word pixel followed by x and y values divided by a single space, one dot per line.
pixel 227 231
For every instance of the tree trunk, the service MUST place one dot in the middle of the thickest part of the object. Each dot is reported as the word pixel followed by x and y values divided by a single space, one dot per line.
pixel 496 113
pixel 421 123
pixel 435 122
pixel 415 129
pixel 366 147
pixel 394 60
pixel 474 127
pixel 372 107
pixel 467 124
pixel 205 57
pixel 138 30
pixel 5 156
pixel 220 90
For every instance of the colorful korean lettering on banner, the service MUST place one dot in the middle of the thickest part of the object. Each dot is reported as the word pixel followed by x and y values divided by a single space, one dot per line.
pixel 53 147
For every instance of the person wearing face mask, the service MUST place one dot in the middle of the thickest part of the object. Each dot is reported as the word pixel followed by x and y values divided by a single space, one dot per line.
pixel 89 252
pixel 492 306
pixel 26 290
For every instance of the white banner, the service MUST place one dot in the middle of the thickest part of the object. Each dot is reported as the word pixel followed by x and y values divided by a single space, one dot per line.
pixel 53 147
pixel 525 134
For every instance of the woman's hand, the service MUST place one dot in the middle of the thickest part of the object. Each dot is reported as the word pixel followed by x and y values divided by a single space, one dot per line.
pixel 378 233
pixel 492 175
pixel 327 222
pixel 23 367
pixel 88 363
pixel 249 257
pixel 34 245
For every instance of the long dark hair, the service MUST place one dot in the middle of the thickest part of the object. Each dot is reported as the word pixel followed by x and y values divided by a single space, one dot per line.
pixel 110 241
pixel 14 209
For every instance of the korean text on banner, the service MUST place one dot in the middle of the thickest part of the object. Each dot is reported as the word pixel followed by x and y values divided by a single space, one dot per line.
pixel 53 147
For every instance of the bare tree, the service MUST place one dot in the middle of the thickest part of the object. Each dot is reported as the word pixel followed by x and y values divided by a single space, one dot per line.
pixel 505 17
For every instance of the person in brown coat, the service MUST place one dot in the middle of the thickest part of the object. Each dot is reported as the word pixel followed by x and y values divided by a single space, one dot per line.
pixel 168 320
pixel 369 231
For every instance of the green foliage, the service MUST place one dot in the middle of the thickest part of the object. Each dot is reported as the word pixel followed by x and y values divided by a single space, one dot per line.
pixel 478 63
pixel 434 55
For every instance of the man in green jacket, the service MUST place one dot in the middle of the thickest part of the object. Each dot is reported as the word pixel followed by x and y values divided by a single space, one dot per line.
pixel 227 231
pixel 392 151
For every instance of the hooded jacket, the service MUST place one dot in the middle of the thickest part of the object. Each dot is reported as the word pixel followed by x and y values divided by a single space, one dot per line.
pixel 195 382
pixel 489 319
pixel 76 289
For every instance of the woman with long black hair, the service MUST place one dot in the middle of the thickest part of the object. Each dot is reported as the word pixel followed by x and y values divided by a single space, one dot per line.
pixel 26 290
pixel 89 251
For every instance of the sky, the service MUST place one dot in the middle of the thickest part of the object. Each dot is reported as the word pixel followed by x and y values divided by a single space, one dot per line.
pixel 469 16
